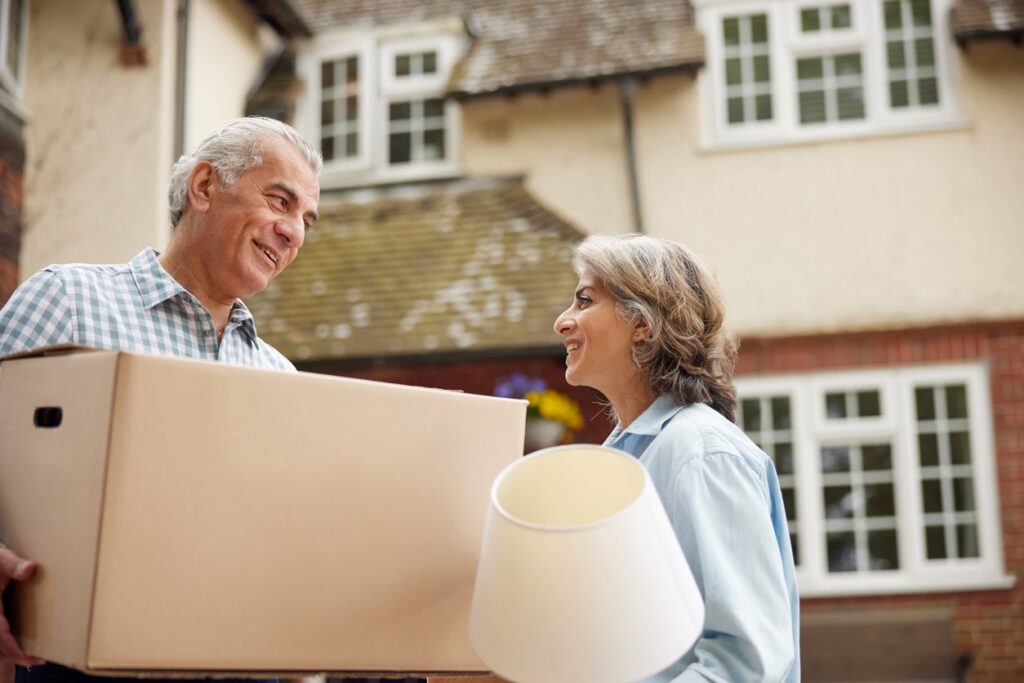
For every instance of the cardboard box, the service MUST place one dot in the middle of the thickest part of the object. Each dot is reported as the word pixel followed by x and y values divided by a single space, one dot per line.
pixel 197 517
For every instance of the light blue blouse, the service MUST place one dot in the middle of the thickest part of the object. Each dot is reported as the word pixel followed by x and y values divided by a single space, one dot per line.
pixel 722 496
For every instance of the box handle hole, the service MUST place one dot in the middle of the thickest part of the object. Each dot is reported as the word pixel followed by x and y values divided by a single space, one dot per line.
pixel 49 416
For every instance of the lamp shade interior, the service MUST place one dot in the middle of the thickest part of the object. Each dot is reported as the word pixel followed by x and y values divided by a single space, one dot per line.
pixel 574 486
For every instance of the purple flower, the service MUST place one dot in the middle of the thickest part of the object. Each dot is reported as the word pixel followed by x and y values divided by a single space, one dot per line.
pixel 517 385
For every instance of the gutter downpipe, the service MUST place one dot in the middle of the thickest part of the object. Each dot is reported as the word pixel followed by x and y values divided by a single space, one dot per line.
pixel 179 86
pixel 627 88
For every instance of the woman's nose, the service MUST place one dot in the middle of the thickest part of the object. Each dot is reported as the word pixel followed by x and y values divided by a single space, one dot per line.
pixel 563 323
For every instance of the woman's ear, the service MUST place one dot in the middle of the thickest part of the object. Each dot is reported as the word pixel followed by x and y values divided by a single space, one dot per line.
pixel 640 331
pixel 200 182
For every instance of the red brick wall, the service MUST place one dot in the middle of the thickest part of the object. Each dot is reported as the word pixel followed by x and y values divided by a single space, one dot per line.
pixel 12 165
pixel 987 624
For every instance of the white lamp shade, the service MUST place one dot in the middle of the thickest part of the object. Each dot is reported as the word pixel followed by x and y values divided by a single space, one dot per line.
pixel 581 577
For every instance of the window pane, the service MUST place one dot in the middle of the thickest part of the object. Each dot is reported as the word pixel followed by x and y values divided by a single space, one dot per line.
pixel 399 111
pixel 807 69
pixel 433 144
pixel 761 69
pixel 877 457
pixel 842 552
pixel 810 20
pixel 921 11
pixel 402 66
pixel 835 459
pixel 956 401
pixel 789 502
pixel 893 19
pixel 928 446
pixel 327 111
pixel 731 31
pixel 784 458
pixel 935 540
pixel 883 549
pixel 735 110
pixel 841 17
pixel 400 148
pixel 879 500
pixel 327 75
pixel 869 404
pixel 352 145
pixel 759 28
pixel 433 107
pixel 897 56
pixel 963 494
pixel 835 404
pixel 780 413
pixel 931 495
pixel 429 62
pixel 327 148
pixel 850 103
pixel 848 64
pixel 898 95
pixel 351 108
pixel 960 448
pixel 924 52
pixel 733 71
pixel 967 540
pixel 751 408
pixel 763 107
pixel 351 70
pixel 838 502
pixel 925 400
pixel 928 91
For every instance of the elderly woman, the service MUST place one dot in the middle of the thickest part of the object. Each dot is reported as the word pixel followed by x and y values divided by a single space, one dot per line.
pixel 646 330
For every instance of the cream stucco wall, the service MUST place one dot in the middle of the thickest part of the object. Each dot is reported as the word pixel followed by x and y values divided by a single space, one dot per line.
pixel 870 232
pixel 98 134
pixel 225 56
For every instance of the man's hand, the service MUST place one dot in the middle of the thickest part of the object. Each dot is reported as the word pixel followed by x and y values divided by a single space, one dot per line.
pixel 18 569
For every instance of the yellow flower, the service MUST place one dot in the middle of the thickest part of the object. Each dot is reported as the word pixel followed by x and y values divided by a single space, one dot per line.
pixel 553 405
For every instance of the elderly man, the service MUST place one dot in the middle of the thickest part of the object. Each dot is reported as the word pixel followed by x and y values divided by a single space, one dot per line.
pixel 240 206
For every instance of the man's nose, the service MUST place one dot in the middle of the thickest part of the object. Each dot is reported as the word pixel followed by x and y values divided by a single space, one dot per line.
pixel 292 230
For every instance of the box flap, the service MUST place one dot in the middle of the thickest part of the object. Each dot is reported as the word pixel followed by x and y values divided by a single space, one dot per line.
pixel 54 350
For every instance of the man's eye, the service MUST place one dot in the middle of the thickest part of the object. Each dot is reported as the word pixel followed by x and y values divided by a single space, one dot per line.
pixel 280 201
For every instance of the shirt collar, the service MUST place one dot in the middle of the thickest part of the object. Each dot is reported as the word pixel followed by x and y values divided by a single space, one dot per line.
pixel 651 421
pixel 156 286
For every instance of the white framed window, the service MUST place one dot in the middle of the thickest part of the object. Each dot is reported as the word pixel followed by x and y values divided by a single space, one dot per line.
pixel 789 71
pixel 377 106
pixel 887 476
pixel 13 17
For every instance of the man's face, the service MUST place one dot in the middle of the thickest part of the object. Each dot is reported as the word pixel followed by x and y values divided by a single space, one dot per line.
pixel 253 229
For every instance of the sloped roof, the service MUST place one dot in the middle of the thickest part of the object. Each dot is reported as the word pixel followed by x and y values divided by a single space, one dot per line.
pixel 277 89
pixel 520 44
pixel 282 16
pixel 460 266
pixel 972 19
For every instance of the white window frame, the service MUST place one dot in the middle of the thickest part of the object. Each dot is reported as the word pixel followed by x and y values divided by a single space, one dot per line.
pixel 787 44
pixel 12 84
pixel 376 51
pixel 896 426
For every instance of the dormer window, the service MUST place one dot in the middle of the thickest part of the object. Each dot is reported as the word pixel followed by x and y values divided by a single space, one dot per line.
pixel 381 111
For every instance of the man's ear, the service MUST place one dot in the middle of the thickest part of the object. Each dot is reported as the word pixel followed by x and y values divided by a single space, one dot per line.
pixel 200 184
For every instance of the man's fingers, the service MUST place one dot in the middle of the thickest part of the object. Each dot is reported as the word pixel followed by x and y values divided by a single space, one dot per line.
pixel 14 567
pixel 10 648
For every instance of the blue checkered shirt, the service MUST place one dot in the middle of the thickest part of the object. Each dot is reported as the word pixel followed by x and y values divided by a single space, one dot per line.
pixel 135 306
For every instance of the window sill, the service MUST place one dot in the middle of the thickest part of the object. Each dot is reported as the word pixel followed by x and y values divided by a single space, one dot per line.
pixel 945 124
pixel 907 584
pixel 343 180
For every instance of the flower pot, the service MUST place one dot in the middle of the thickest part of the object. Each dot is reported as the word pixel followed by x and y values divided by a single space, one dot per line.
pixel 542 432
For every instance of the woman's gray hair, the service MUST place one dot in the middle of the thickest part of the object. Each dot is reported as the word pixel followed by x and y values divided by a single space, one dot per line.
pixel 232 150
pixel 686 351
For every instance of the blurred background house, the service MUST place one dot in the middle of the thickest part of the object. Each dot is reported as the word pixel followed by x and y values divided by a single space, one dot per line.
pixel 849 168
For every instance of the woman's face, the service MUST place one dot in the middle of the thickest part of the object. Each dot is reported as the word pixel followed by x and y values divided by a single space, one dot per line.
pixel 598 344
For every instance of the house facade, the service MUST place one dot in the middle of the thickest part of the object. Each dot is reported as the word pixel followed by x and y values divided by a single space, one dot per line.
pixel 849 170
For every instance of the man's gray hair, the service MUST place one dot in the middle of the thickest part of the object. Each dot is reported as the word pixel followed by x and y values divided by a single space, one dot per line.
pixel 233 150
